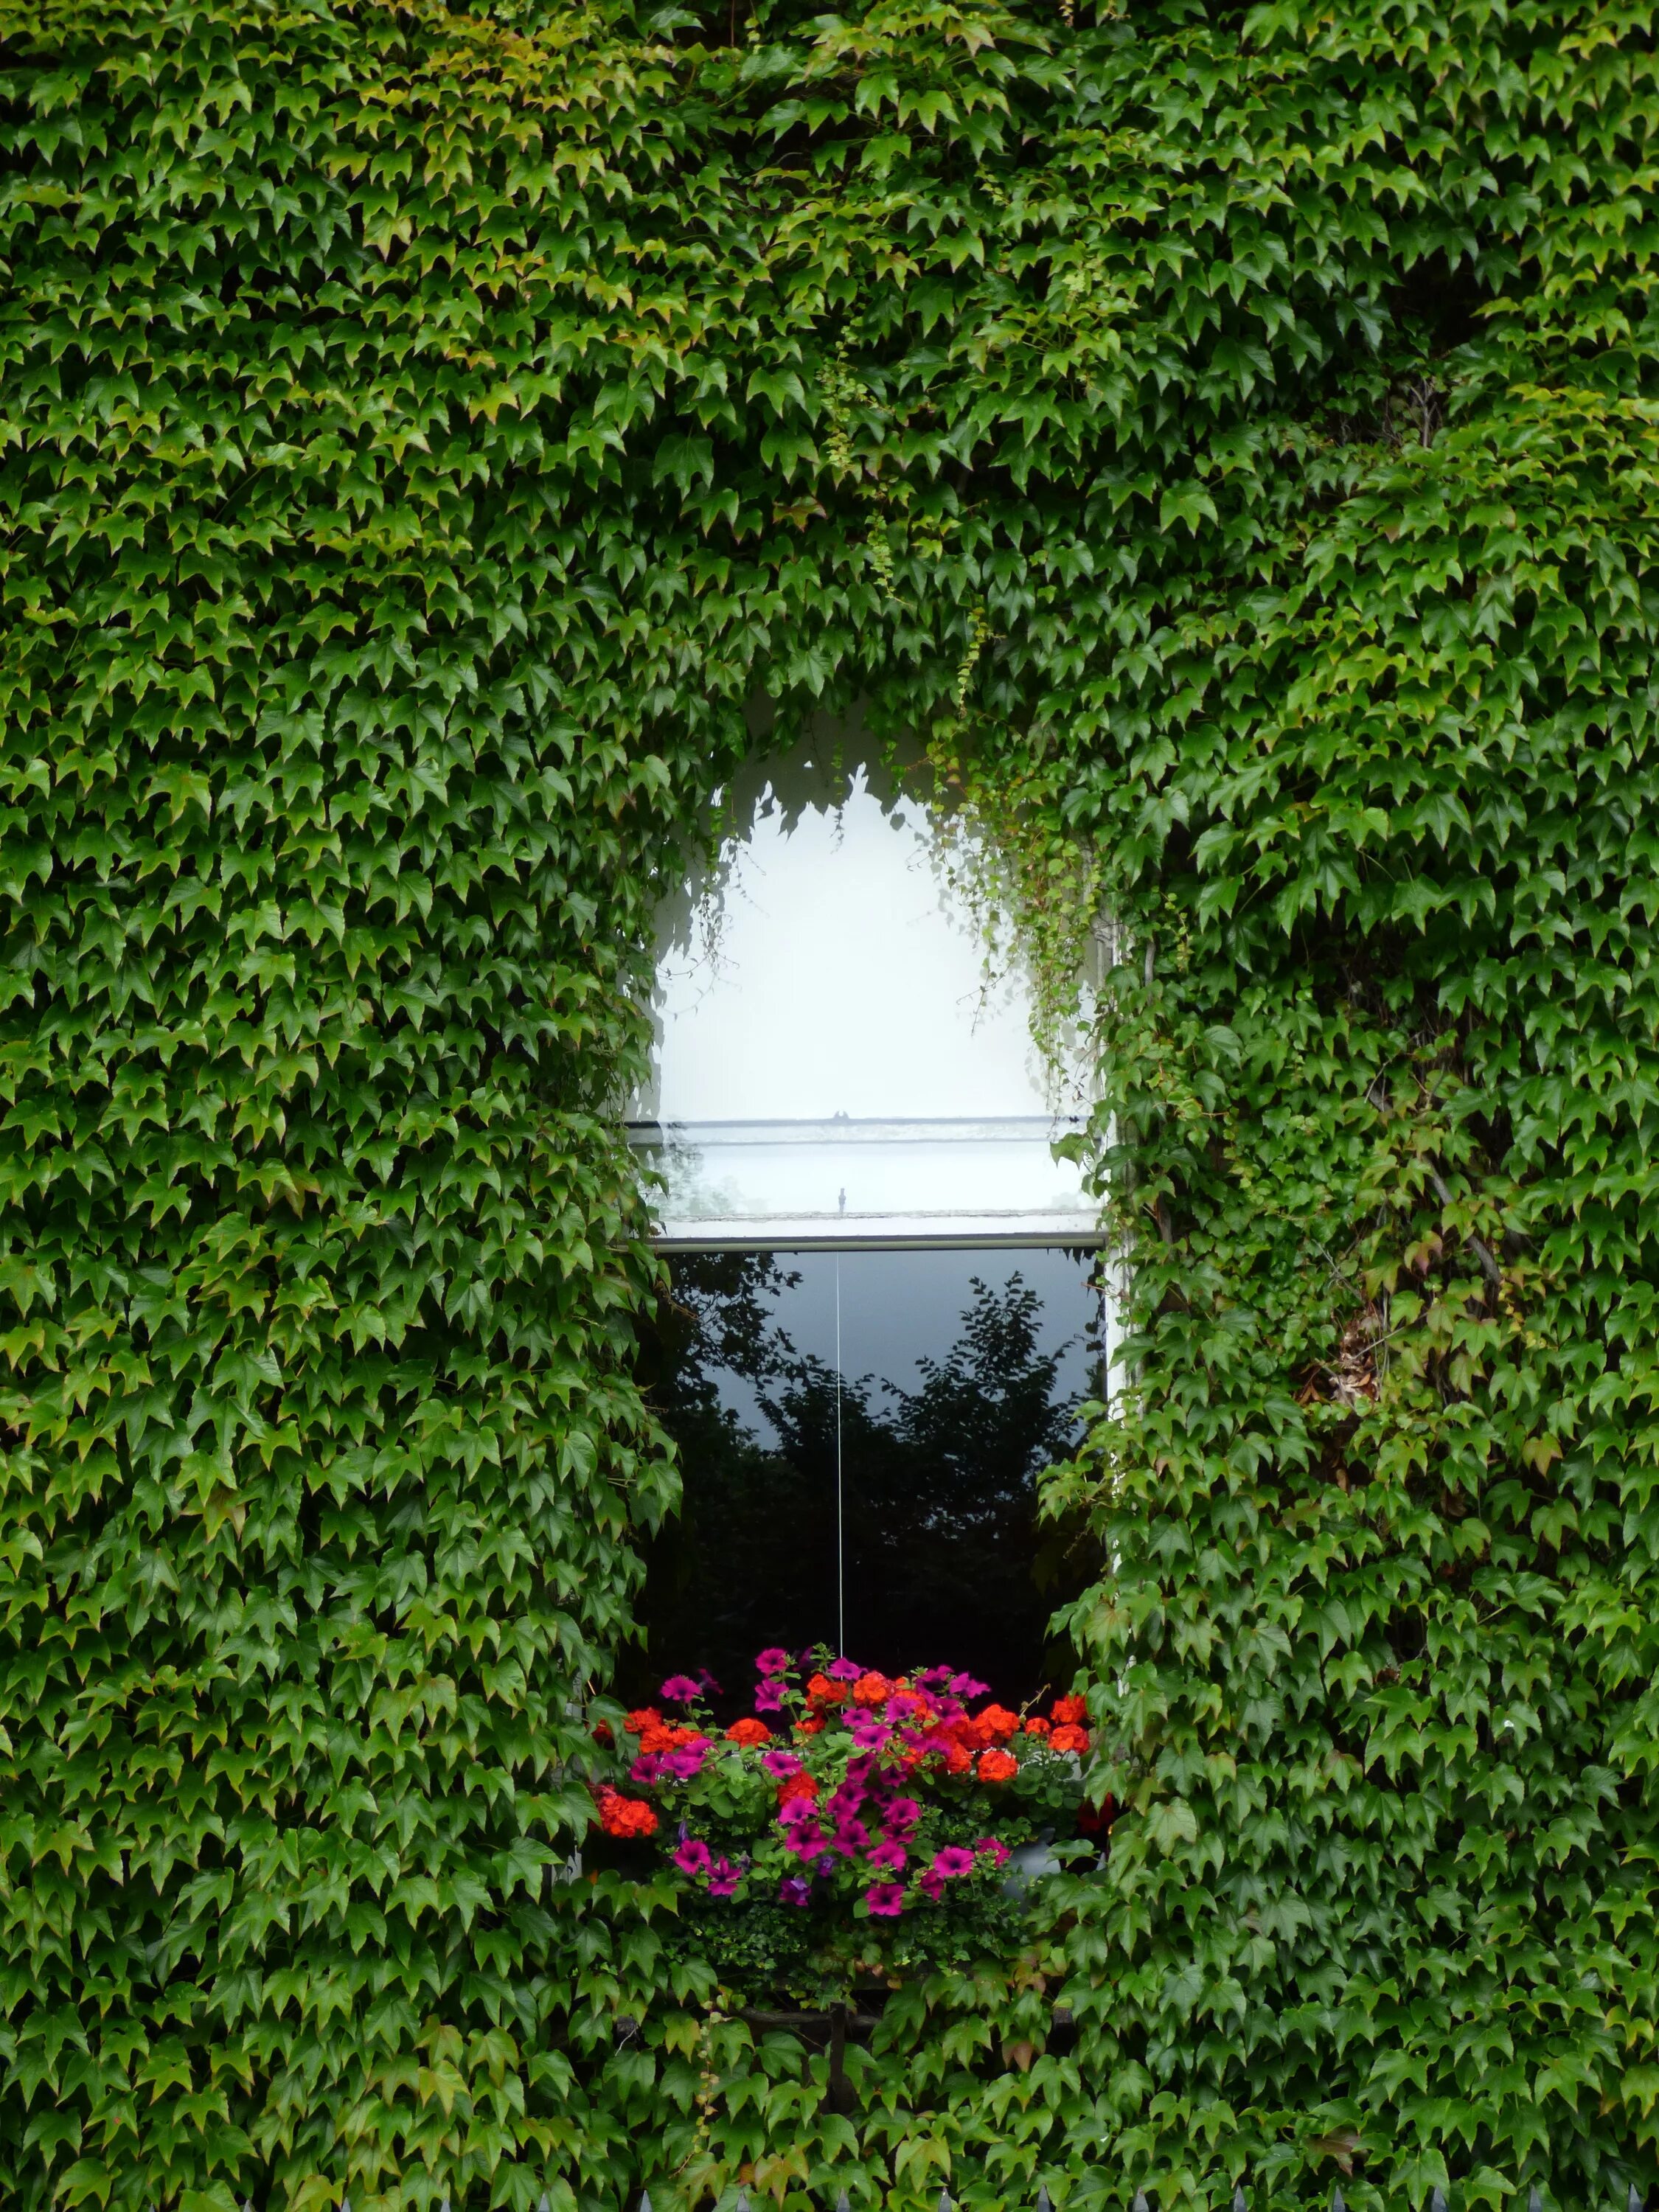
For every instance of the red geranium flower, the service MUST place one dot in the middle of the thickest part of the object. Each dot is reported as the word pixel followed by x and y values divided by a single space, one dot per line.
pixel 797 1785
pixel 662 1737
pixel 646 1716
pixel 998 1766
pixel 1070 1711
pixel 749 1732
pixel 814 1727
pixel 871 1690
pixel 821 1690
pixel 1036 1727
pixel 1070 1738
pixel 997 1722
pixel 625 1816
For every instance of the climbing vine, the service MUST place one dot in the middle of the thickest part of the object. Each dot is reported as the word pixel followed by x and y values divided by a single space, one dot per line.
pixel 1227 438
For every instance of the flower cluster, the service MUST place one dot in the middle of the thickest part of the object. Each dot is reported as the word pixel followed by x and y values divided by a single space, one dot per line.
pixel 875 1793
pixel 624 1816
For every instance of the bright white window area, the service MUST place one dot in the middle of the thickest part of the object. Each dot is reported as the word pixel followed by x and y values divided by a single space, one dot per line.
pixel 832 1065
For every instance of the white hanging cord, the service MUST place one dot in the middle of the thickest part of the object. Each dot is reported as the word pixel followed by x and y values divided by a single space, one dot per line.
pixel 840 1546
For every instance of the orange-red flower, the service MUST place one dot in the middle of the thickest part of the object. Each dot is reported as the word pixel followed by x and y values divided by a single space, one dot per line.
pixel 646 1716
pixel 998 1767
pixel 1068 1711
pixel 821 1690
pixel 956 1759
pixel 664 1736
pixel 814 1727
pixel 602 1734
pixel 1035 1727
pixel 797 1785
pixel 997 1722
pixel 625 1816
pixel 872 1689
pixel 749 1732
pixel 1070 1738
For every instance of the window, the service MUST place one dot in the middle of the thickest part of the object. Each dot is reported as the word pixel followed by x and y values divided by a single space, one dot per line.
pixel 886 1307
pixel 832 1064
pixel 861 1435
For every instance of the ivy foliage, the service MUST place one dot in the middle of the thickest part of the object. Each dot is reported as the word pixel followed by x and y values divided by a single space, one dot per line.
pixel 1229 437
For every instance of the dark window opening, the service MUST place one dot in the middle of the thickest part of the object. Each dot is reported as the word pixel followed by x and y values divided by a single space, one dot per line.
pixel 860 1437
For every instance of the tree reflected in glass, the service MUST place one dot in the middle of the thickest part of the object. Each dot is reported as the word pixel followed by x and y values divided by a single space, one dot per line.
pixel 943 1555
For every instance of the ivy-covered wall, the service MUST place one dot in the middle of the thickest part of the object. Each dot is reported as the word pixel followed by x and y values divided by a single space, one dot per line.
pixel 1229 438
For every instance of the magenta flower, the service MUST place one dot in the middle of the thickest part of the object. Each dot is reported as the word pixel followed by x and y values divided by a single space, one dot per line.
pixel 991 1847
pixel 869 1733
pixel 842 1670
pixel 680 1690
pixel 769 1699
pixel 685 1760
pixel 885 1899
pixel 851 1836
pixel 952 1862
pixel 780 1765
pixel 966 1686
pixel 890 1857
pixel 772 1661
pixel 647 1767
pixel 724 1878
pixel 905 1705
pixel 902 1816
pixel 808 1843
pixel 693 1856
pixel 794 1889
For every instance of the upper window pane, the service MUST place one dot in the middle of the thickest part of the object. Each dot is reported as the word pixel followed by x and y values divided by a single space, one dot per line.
pixel 833 1062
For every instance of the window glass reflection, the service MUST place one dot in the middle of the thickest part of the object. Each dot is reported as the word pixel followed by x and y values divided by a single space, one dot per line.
pixel 960 1374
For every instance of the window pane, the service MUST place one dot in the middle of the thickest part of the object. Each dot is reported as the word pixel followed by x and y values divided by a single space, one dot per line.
pixel 960 1374
pixel 831 1062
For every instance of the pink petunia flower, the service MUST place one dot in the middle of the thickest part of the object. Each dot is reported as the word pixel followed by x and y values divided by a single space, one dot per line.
pixel 888 1856
pixel 885 1899
pixel 794 1889
pixel 780 1765
pixel 992 1848
pixel 842 1670
pixel 769 1699
pixel 930 1885
pixel 693 1856
pixel 724 1878
pixel 902 1816
pixel 772 1661
pixel 680 1690
pixel 952 1862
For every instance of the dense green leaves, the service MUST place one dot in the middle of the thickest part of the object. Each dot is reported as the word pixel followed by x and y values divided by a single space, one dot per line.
pixel 1229 438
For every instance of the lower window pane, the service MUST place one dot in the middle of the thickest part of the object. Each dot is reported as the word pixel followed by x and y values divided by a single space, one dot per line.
pixel 890 1487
